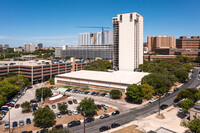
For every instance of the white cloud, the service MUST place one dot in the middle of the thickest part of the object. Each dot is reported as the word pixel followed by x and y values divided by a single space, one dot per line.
pixel 3 37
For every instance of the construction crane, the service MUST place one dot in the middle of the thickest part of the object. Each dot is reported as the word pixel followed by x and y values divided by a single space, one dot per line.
pixel 100 27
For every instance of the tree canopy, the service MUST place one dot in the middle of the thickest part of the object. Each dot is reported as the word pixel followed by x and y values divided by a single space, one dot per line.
pixel 99 65
pixel 44 117
pixel 26 106
pixel 194 125
pixel 135 93
pixel 45 92
pixel 165 72
pixel 88 106
pixel 148 91
pixel 62 108
pixel 187 104
pixel 115 94
pixel 10 85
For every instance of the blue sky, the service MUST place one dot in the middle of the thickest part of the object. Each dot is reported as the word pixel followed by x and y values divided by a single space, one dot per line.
pixel 54 22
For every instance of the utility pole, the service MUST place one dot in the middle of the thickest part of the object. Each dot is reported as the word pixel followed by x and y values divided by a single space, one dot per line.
pixel 159 104
pixel 84 120
pixel 9 119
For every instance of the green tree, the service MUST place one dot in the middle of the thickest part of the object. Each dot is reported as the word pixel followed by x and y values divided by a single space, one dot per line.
pixel 181 75
pixel 99 65
pixel 51 81
pixel 62 108
pixel 44 117
pixel 189 93
pixel 148 91
pixel 194 125
pixel 45 91
pixel 88 106
pixel 135 93
pixel 26 106
pixel 187 104
pixel 2 100
pixel 115 94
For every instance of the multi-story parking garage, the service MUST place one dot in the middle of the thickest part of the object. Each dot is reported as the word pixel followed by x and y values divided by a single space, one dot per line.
pixel 38 71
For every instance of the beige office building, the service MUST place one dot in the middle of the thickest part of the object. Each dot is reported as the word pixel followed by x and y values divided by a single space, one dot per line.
pixel 160 42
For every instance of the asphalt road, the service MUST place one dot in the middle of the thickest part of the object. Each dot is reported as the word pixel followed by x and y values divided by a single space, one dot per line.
pixel 135 113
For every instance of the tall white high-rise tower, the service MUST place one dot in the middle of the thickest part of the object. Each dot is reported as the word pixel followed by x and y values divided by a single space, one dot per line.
pixel 127 41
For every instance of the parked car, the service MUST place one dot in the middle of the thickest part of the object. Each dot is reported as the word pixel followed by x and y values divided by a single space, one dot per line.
pixel 34 101
pixel 58 115
pixel 99 106
pixel 59 126
pixel 70 102
pixel 114 125
pixel 9 104
pixel 88 120
pixel 34 109
pixel 180 110
pixel 75 101
pixel 74 123
pixel 17 105
pixel 65 103
pixel 75 112
pixel 6 126
pixel 45 130
pixel 5 108
pixel 163 106
pixel 53 106
pixel 15 124
pixel 47 106
pixel 104 128
pixel 176 100
pixel 104 116
pixel 28 121
pixel 175 89
pixel 58 104
pixel 21 123
pixel 115 112
pixel 69 112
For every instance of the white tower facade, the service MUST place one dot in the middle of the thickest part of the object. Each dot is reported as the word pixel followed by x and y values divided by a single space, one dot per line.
pixel 130 43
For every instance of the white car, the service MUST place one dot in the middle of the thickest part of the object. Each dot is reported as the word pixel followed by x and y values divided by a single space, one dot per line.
pixel 180 110
pixel 152 100
pixel 75 112
pixel 6 126
pixel 58 115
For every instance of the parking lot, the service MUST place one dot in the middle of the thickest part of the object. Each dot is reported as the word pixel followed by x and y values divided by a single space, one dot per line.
pixel 17 115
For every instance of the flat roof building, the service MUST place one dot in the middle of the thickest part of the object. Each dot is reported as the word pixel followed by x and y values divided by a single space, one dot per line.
pixel 100 80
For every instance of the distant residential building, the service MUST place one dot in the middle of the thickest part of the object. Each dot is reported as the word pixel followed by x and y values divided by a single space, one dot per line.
pixel 160 42
pixel 99 38
pixel 192 43
pixel 127 41
pixel 6 46
pixel 29 47
pixel 48 48
pixel 40 45
pixel 1 46
pixel 18 49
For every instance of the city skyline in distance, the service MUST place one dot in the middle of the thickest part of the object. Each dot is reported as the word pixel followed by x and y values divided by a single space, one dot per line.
pixel 54 23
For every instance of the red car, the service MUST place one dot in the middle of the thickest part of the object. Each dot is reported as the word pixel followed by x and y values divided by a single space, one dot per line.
pixel 17 105
pixel 9 104
pixel 34 101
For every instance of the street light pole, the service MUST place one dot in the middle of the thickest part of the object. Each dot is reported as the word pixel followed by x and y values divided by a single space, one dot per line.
pixel 84 120
pixel 9 120
pixel 159 104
